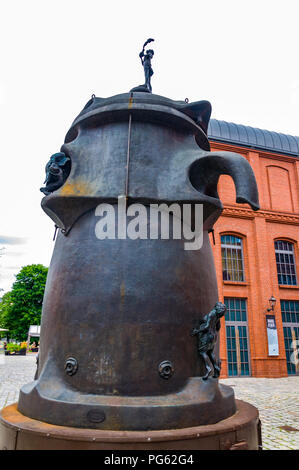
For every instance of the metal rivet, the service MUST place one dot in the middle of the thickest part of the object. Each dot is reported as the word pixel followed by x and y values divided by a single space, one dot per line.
pixel 96 416
pixel 166 369
pixel 71 366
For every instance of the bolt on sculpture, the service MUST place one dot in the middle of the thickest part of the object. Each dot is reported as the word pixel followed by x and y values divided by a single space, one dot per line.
pixel 115 349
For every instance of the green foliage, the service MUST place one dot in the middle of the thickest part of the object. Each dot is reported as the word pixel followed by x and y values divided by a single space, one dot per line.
pixel 21 307
pixel 11 347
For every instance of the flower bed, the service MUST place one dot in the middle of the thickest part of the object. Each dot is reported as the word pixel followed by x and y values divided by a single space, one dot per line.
pixel 13 349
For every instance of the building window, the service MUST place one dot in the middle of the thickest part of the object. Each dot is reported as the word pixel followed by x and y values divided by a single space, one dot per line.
pixel 232 258
pixel 290 322
pixel 238 360
pixel 285 262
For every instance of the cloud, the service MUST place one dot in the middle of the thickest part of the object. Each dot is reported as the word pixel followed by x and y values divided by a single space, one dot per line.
pixel 7 240
pixel 14 253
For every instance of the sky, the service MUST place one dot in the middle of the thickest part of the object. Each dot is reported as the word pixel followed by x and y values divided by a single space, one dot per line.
pixel 242 56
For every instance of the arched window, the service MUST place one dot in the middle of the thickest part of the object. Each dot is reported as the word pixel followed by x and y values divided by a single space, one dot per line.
pixel 285 262
pixel 232 258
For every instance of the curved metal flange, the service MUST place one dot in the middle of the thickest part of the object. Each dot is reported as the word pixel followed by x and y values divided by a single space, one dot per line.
pixel 199 402
pixel 159 112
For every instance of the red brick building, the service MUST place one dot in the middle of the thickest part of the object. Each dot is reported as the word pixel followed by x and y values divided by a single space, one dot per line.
pixel 257 255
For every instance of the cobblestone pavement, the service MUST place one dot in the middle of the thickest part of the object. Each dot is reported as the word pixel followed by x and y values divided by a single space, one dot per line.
pixel 278 403
pixel 15 371
pixel 276 399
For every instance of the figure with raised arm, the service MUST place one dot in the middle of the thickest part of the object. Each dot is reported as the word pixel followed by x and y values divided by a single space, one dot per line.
pixel 146 58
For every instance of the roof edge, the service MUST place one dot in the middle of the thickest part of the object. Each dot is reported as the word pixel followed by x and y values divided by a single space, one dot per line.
pixel 247 136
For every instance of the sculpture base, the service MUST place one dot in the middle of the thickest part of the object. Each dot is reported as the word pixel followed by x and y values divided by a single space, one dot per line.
pixel 199 402
pixel 239 432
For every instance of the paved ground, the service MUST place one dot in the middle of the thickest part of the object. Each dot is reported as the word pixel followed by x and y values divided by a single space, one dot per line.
pixel 278 404
pixel 276 399
pixel 15 371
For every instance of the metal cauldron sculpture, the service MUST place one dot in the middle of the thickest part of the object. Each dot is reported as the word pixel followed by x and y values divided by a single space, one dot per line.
pixel 117 350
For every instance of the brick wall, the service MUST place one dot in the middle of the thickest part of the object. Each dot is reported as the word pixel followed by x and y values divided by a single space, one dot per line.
pixel 278 184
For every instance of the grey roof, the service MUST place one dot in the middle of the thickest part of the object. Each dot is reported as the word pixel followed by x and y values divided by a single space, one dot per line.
pixel 247 136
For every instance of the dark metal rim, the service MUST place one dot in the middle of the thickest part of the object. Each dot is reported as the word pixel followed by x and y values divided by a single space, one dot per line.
pixel 142 112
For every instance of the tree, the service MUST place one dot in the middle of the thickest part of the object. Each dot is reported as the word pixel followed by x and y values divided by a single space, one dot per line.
pixel 5 308
pixel 21 307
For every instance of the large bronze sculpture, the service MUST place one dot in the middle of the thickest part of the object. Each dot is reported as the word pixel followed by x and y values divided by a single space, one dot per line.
pixel 116 354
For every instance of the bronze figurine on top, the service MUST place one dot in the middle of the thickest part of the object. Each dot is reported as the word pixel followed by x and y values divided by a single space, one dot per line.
pixel 146 58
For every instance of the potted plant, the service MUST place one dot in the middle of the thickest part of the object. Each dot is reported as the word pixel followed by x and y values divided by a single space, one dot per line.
pixel 13 349
pixel 23 348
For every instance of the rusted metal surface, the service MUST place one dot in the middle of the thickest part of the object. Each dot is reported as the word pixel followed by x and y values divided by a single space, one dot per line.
pixel 242 445
pixel 114 310
pixel 33 435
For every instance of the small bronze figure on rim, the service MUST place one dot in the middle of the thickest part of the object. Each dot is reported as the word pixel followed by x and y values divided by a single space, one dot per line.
pixel 146 58
pixel 207 334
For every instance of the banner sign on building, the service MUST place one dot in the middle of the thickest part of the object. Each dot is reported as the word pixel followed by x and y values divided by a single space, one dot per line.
pixel 272 336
